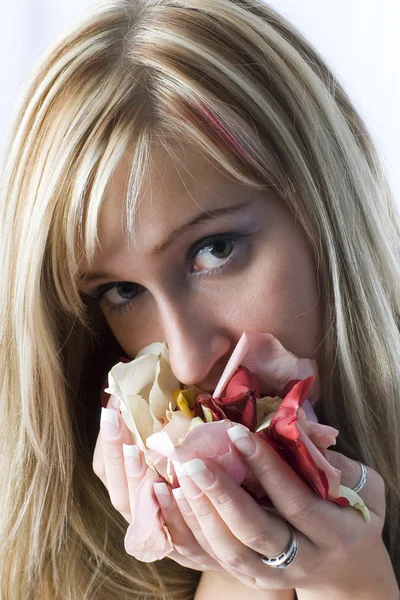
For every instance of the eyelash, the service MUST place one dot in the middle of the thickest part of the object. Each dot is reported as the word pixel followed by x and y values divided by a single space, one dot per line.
pixel 210 241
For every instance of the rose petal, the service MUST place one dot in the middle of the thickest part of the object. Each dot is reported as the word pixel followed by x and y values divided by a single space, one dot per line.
pixel 160 397
pixel 136 414
pixel 265 356
pixel 133 378
pixel 241 381
pixel 332 474
pixel 289 428
pixel 147 537
pixel 208 440
pixel 355 501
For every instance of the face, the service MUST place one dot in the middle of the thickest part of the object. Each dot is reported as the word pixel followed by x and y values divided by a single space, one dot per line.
pixel 211 259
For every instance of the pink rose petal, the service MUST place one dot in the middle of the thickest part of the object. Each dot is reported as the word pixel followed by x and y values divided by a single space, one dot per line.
pixel 208 440
pixel 147 537
pixel 265 356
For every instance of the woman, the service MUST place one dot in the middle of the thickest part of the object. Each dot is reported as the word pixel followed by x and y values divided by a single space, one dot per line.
pixel 217 112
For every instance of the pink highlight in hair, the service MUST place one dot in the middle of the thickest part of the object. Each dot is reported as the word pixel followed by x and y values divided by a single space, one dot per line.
pixel 231 140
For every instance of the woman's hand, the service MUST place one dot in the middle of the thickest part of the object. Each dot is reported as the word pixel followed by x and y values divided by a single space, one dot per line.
pixel 122 474
pixel 340 554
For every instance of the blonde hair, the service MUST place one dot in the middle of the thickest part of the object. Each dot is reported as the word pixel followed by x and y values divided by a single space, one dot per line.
pixel 244 87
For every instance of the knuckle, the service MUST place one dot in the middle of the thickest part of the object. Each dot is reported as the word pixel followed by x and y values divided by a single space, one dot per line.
pixel 194 554
pixel 225 501
pixel 203 510
pixel 263 469
pixel 235 560
pixel 256 539
pixel 301 510
pixel 114 458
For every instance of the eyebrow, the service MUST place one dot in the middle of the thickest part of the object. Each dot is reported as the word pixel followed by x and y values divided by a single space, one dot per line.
pixel 160 248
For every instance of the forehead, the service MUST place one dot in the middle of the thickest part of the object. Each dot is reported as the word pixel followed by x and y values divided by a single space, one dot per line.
pixel 174 189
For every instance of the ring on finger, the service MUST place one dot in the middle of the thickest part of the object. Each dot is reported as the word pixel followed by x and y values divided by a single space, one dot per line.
pixel 363 478
pixel 283 560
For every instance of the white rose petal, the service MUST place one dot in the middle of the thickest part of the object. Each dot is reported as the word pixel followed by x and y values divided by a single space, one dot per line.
pixel 144 386
pixel 160 399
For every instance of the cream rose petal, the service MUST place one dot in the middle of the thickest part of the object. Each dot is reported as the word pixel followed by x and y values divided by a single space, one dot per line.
pixel 134 377
pixel 160 398
pixel 355 501
pixel 136 413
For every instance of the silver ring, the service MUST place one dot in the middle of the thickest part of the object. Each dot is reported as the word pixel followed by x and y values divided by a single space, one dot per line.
pixel 363 478
pixel 283 560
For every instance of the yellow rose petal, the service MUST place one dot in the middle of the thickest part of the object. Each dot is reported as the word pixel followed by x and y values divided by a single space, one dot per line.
pixel 184 406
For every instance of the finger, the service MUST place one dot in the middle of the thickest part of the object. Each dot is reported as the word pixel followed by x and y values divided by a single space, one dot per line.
pixel 229 551
pixel 114 433
pixel 322 521
pixel 98 458
pixel 265 533
pixel 191 520
pixel 183 539
pixel 183 560
pixel 135 470
pixel 373 492
pixel 98 462
pixel 194 525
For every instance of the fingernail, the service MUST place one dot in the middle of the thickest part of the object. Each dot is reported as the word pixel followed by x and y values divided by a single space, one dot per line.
pixel 109 423
pixel 179 470
pixel 199 472
pixel 189 486
pixel 133 464
pixel 162 493
pixel 241 439
pixel 181 501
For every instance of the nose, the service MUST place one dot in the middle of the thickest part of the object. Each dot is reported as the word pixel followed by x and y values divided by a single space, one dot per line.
pixel 199 345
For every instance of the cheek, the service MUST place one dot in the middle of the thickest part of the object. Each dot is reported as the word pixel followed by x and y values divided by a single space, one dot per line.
pixel 285 299
pixel 130 333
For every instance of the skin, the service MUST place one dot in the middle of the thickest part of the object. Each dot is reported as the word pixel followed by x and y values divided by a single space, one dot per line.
pixel 269 284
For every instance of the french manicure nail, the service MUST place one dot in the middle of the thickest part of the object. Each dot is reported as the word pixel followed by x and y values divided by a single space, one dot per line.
pixel 179 470
pixel 181 501
pixel 241 439
pixel 162 493
pixel 189 486
pixel 133 464
pixel 109 423
pixel 199 472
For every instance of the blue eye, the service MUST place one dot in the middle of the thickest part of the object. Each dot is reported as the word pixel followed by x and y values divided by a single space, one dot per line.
pixel 118 295
pixel 207 257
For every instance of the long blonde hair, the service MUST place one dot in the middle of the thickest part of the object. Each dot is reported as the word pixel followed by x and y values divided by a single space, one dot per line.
pixel 236 80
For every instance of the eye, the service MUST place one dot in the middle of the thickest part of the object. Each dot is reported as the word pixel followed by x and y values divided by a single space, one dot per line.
pixel 214 253
pixel 119 295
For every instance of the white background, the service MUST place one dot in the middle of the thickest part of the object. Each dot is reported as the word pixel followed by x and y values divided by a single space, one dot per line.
pixel 358 38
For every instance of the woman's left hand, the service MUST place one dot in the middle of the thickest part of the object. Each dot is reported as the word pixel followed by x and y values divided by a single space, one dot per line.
pixel 338 551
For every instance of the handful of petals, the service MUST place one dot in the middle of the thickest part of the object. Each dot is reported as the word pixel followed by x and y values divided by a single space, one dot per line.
pixel 264 387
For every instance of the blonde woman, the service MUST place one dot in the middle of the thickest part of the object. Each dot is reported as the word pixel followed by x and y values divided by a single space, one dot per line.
pixel 151 114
